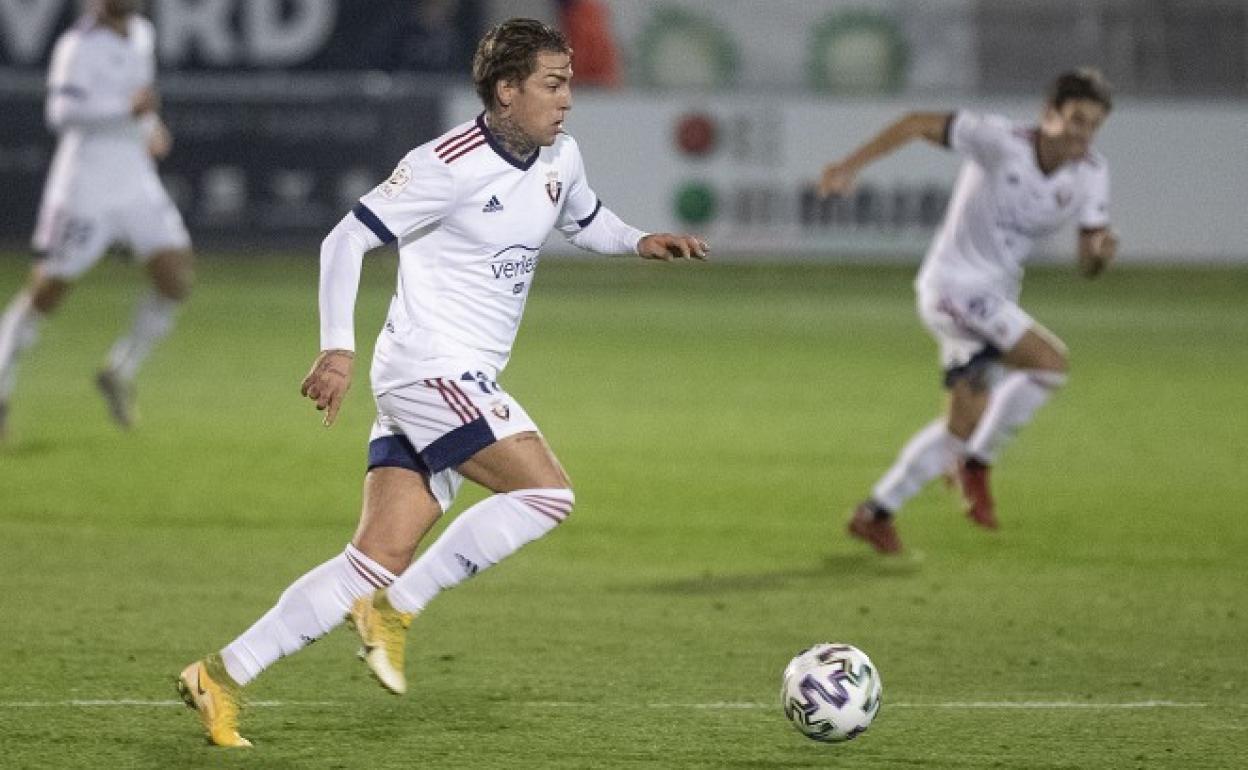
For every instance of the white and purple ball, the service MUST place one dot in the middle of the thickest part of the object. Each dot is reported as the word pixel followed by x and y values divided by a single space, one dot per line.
pixel 831 692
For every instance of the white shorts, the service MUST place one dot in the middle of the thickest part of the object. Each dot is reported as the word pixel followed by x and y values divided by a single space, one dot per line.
pixel 972 325
pixel 434 425
pixel 73 236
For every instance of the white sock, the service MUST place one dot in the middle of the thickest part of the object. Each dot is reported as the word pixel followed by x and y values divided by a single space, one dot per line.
pixel 479 538
pixel 153 320
pixel 310 608
pixel 1012 405
pixel 19 329
pixel 924 457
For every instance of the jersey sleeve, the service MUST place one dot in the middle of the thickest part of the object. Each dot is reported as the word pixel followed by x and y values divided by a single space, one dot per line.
pixel 581 205
pixel 419 192
pixel 1094 214
pixel 76 98
pixel 982 138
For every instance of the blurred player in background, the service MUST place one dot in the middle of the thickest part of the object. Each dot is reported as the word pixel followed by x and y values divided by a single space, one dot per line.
pixel 1018 183
pixel 103 189
pixel 469 212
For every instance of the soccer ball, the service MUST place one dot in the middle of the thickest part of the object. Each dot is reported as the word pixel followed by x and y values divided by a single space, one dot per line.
pixel 831 692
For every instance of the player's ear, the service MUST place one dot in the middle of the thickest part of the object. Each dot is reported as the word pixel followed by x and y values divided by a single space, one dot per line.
pixel 504 91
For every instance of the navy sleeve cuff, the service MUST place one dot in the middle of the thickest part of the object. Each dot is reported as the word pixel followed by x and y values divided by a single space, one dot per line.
pixel 370 220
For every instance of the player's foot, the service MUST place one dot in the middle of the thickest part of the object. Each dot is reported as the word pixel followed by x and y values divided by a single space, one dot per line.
pixel 980 508
pixel 875 525
pixel 118 395
pixel 383 634
pixel 209 690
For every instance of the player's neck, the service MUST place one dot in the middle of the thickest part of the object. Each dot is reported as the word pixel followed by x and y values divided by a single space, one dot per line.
pixel 118 24
pixel 1048 158
pixel 510 136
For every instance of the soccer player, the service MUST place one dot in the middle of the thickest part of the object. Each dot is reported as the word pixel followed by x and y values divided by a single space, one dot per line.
pixel 1018 183
pixel 469 212
pixel 103 189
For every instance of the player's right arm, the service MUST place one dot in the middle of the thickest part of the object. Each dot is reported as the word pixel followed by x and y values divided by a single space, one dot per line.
pixel 419 193
pixel 839 176
pixel 77 99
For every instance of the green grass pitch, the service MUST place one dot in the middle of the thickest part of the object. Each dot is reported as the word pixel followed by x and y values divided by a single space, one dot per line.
pixel 719 421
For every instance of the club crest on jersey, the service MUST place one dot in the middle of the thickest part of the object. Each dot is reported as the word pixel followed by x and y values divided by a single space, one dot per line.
pixel 398 180
pixel 1063 197
pixel 501 410
pixel 554 188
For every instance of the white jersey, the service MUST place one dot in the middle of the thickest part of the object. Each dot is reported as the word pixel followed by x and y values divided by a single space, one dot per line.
pixel 1003 203
pixel 469 219
pixel 102 155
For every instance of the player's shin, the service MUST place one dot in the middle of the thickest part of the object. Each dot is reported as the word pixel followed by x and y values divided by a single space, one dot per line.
pixel 153 320
pixel 930 452
pixel 19 329
pixel 311 607
pixel 1013 404
pixel 480 537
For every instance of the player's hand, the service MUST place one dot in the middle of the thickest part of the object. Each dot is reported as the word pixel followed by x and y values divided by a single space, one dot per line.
pixel 159 140
pixel 837 179
pixel 145 100
pixel 1097 250
pixel 328 381
pixel 666 247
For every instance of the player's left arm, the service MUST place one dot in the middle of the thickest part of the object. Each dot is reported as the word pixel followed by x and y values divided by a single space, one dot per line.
pixel 1098 243
pixel 592 226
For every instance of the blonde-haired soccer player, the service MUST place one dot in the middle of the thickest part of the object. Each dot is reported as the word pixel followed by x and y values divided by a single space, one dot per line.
pixel 1017 184
pixel 469 211
pixel 102 189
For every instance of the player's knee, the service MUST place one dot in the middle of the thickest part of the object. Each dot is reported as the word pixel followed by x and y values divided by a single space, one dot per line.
pixel 173 275
pixel 47 294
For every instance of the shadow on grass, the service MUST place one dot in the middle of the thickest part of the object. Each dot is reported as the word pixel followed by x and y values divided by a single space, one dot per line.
pixel 30 448
pixel 838 566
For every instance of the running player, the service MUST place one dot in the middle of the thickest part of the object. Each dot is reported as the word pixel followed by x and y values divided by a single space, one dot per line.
pixel 103 189
pixel 469 212
pixel 1017 184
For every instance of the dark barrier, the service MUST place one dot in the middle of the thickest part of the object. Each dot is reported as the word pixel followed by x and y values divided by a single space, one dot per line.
pixel 261 161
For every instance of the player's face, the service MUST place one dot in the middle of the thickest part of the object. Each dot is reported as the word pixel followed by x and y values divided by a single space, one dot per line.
pixel 542 101
pixel 1071 127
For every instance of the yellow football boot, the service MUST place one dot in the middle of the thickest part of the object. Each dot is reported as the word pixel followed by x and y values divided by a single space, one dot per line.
pixel 209 690
pixel 383 634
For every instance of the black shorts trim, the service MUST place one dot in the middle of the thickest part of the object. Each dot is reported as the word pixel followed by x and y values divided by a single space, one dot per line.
pixel 974 367
pixel 458 445
pixel 395 452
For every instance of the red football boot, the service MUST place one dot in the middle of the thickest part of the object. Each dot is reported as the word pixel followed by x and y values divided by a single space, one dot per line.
pixel 875 526
pixel 980 508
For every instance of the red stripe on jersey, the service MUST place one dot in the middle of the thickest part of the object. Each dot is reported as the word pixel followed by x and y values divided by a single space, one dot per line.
pixel 441 388
pixel 370 577
pixel 459 144
pixel 466 401
pixel 442 146
pixel 480 140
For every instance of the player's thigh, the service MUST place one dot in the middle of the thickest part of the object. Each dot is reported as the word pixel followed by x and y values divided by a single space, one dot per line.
pixel 967 402
pixel 520 461
pixel 172 272
pixel 398 509
pixel 1037 348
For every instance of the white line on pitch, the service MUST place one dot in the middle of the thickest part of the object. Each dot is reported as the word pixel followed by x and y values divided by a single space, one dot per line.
pixel 717 706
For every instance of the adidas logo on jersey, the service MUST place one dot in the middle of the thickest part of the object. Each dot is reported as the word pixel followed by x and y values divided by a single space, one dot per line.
pixel 493 205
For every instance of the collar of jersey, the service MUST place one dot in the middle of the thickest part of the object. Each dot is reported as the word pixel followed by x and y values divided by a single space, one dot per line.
pixel 523 165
